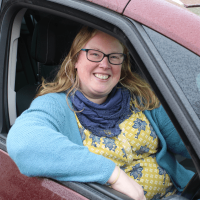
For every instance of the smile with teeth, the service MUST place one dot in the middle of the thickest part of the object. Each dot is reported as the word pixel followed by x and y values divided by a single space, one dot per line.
pixel 101 76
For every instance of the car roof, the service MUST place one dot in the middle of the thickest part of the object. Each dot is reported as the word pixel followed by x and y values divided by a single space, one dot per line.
pixel 164 16
pixel 115 5
pixel 168 19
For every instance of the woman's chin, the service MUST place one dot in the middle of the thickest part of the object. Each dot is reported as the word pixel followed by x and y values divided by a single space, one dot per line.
pixel 98 96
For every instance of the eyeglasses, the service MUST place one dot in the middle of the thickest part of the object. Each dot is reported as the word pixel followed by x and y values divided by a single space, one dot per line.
pixel 97 56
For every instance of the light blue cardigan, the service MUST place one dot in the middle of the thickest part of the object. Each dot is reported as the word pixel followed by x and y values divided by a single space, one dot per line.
pixel 45 141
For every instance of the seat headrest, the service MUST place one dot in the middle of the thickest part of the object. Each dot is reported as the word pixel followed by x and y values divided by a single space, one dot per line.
pixel 52 39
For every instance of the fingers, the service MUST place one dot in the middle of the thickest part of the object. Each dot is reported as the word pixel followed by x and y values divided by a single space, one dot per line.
pixel 128 186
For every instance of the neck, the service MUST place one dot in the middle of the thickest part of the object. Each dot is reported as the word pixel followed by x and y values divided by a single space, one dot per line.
pixel 97 100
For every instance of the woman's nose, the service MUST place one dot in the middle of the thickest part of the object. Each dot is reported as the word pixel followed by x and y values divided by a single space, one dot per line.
pixel 105 63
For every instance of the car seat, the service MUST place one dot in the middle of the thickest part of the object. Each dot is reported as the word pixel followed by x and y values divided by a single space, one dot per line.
pixel 51 42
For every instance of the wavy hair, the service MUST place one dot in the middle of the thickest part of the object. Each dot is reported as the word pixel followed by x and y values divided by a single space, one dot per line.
pixel 67 78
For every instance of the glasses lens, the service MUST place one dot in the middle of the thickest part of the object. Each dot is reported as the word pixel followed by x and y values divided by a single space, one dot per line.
pixel 94 55
pixel 116 58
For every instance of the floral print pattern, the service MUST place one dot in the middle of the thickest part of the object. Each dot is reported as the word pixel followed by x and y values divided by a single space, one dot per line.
pixel 153 133
pixel 95 139
pixel 136 172
pixel 123 150
pixel 140 125
pixel 153 156
pixel 134 151
pixel 145 192
pixel 123 167
pixel 162 172
pixel 134 109
pixel 109 143
pixel 143 149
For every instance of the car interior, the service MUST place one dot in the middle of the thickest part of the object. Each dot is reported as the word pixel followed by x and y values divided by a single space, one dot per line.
pixel 40 43
pixel 46 47
pixel 43 43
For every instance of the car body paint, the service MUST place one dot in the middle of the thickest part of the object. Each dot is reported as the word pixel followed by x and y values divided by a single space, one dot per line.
pixel 170 20
pixel 115 5
pixel 15 185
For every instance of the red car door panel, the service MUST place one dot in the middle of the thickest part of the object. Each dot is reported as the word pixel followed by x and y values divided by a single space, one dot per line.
pixel 15 185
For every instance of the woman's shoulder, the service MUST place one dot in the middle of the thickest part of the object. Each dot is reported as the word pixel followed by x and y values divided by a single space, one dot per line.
pixel 51 96
pixel 158 115
pixel 52 107
pixel 158 112
pixel 51 99
pixel 51 103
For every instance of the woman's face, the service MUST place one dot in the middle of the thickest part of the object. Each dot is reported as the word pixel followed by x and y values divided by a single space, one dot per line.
pixel 97 79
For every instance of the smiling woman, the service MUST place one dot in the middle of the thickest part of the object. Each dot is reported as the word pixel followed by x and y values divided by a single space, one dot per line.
pixel 99 115
pixel 97 79
pixel 69 78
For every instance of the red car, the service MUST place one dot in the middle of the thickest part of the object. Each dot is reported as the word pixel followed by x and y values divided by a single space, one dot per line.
pixel 163 38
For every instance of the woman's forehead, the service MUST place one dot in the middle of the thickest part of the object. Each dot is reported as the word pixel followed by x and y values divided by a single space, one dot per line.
pixel 103 40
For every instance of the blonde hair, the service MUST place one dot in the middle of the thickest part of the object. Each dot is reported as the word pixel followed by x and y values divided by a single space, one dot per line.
pixel 67 78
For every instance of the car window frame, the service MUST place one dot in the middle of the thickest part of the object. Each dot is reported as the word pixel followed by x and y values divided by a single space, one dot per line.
pixel 107 21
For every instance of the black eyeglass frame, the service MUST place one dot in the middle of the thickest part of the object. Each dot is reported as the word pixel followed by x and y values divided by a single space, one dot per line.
pixel 104 55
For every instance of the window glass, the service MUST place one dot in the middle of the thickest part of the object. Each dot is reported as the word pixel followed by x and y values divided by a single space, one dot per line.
pixel 183 64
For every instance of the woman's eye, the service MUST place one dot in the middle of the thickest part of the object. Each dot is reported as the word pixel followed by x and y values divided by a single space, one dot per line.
pixel 114 57
pixel 95 54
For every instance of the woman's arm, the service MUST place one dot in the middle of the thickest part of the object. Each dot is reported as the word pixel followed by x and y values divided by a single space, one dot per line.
pixel 45 141
pixel 39 147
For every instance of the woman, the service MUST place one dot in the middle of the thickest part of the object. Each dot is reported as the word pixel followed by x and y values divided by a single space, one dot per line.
pixel 110 129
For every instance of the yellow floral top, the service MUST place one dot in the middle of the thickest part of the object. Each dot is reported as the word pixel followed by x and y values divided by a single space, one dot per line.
pixel 133 150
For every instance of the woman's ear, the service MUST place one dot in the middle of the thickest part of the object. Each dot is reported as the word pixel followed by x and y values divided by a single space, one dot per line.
pixel 75 66
pixel 76 61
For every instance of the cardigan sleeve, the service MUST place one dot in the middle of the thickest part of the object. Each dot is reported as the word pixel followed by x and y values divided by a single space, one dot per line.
pixel 171 136
pixel 45 142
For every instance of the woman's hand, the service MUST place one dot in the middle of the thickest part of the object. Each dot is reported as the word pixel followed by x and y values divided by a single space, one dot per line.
pixel 126 185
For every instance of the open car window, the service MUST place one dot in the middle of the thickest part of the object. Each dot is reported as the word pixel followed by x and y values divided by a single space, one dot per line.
pixel 32 64
pixel 25 70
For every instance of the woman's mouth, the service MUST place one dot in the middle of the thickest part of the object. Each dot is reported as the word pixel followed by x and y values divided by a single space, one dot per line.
pixel 102 76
